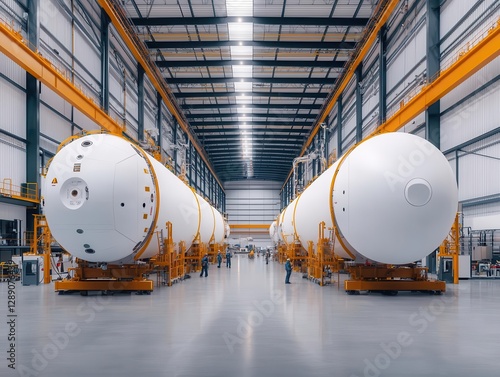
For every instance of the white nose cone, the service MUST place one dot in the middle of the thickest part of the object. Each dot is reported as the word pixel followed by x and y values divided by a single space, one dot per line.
pixel 99 198
pixel 395 198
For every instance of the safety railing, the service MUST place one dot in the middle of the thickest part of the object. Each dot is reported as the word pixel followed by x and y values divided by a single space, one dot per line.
pixel 26 191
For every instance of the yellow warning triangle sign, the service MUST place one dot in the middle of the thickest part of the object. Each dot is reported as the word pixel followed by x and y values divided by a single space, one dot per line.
pixel 54 181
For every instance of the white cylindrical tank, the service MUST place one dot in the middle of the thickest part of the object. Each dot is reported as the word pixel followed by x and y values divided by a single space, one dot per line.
pixel 105 200
pixel 273 232
pixel 392 198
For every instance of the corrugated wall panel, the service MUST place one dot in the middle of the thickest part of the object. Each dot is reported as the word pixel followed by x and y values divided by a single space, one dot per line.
pixel 56 21
pixel 481 212
pixel 474 117
pixel 132 105
pixel 13 157
pixel 481 78
pixel 405 60
pixel 88 56
pixel 478 173
pixel 49 146
pixel 12 108
pixel 84 122
pixel 10 9
pixel 252 202
pixel 462 21
pixel 115 84
pixel 54 100
pixel 12 71
pixel 52 125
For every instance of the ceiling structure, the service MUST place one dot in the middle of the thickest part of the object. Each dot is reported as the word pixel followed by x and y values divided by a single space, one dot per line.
pixel 251 75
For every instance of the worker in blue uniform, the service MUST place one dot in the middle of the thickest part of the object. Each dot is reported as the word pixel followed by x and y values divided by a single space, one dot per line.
pixel 288 268
pixel 204 265
pixel 228 259
pixel 219 259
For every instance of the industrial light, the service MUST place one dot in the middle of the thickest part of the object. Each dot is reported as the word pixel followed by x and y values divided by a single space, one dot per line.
pixel 241 31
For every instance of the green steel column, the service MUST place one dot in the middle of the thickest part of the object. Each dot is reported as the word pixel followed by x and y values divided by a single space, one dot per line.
pixel 159 120
pixel 432 114
pixel 339 126
pixel 140 102
pixel 382 76
pixel 174 140
pixel 359 103
pixel 105 21
pixel 189 170
pixel 327 139
pixel 33 161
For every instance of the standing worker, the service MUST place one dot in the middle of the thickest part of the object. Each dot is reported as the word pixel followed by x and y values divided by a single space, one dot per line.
pixel 204 265
pixel 219 259
pixel 267 257
pixel 228 259
pixel 288 268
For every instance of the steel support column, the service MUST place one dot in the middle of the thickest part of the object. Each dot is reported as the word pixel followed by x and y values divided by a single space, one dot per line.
pixel 140 103
pixel 339 126
pixel 314 162
pixel 190 159
pixel 174 140
pixel 327 139
pixel 432 114
pixel 105 21
pixel 359 102
pixel 32 112
pixel 223 207
pixel 196 172
pixel 382 75
pixel 159 121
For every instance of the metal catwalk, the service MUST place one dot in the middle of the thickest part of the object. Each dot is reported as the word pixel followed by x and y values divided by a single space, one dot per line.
pixel 246 322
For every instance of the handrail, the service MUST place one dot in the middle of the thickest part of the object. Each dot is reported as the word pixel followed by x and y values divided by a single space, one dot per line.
pixel 28 193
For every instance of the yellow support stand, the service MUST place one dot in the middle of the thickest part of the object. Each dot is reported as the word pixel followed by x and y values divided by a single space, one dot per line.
pixel 451 247
pixel 40 245
pixel 194 255
pixel 88 277
pixel 298 256
pixel 169 261
pixel 322 261
pixel 391 279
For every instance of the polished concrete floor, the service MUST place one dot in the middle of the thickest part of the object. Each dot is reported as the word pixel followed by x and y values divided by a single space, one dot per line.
pixel 246 322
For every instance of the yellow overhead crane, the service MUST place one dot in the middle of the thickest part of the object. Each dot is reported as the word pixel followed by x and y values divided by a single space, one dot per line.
pixel 468 61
